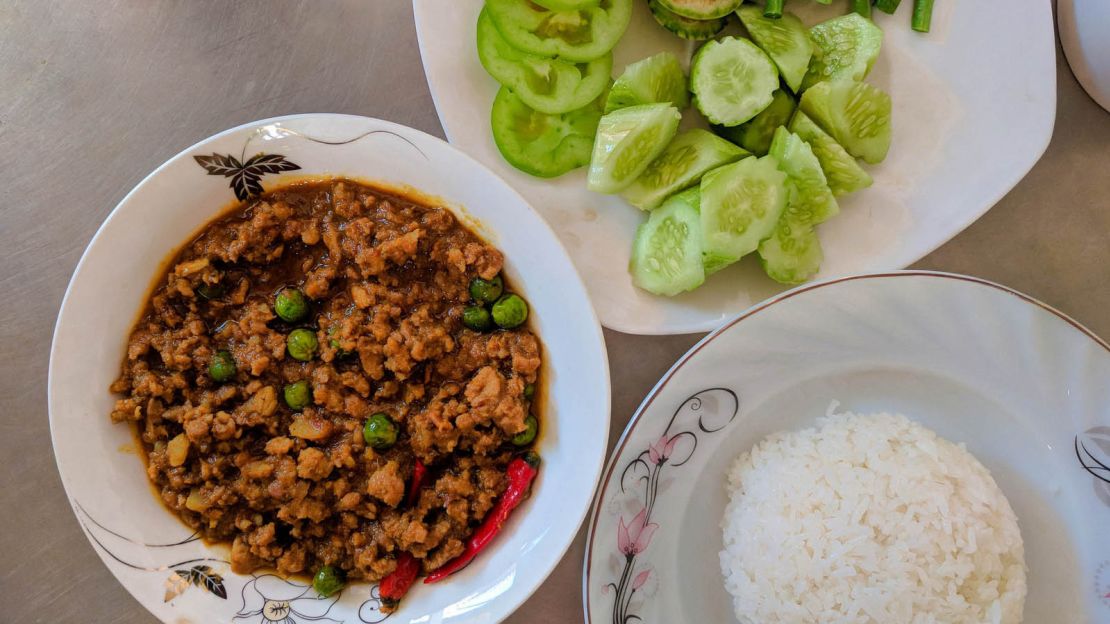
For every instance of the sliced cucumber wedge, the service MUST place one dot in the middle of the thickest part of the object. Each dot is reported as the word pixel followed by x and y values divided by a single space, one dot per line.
pixel 656 79
pixel 755 135
pixel 842 172
pixel 732 80
pixel 785 40
pixel 567 5
pixel 856 114
pixel 740 204
pixel 844 48
pixel 628 139
pixel 540 144
pixel 812 201
pixel 701 9
pixel 578 35
pixel 792 254
pixel 666 254
pixel 681 165
pixel 545 84
pixel 692 29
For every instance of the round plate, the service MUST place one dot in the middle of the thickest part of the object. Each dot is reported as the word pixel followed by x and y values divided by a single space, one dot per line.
pixel 1026 388
pixel 957 148
pixel 175 575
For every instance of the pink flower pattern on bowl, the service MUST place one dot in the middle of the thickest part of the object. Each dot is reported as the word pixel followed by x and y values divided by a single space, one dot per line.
pixel 641 479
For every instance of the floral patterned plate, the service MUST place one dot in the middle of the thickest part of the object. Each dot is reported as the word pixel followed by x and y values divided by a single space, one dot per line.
pixel 1024 386
pixel 178 577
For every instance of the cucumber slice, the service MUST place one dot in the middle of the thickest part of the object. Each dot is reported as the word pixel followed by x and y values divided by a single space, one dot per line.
pixel 694 30
pixel 740 204
pixel 732 80
pixel 701 9
pixel 856 114
pixel 666 254
pixel 811 202
pixel 842 172
pixel 681 164
pixel 755 135
pixel 792 254
pixel 545 84
pixel 628 139
pixel 844 47
pixel 580 35
pixel 540 144
pixel 567 5
pixel 656 79
pixel 785 40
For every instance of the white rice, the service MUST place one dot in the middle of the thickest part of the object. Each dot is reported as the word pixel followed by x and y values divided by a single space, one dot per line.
pixel 869 519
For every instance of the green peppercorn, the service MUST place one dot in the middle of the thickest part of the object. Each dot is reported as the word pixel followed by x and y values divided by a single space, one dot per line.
pixel 524 438
pixel 379 432
pixel 297 395
pixel 486 291
pixel 222 366
pixel 477 318
pixel 291 305
pixel 510 311
pixel 301 344
pixel 328 580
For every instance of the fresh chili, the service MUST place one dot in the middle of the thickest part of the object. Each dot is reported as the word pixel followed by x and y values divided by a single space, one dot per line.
pixel 418 473
pixel 395 585
pixel 521 472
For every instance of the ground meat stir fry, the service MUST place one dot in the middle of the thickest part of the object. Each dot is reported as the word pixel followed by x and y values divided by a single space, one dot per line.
pixel 386 282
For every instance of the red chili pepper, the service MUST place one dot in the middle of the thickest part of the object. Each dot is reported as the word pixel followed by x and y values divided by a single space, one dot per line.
pixel 394 586
pixel 521 473
pixel 418 472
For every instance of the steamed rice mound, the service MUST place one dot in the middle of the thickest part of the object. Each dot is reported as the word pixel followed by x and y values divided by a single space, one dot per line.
pixel 869 519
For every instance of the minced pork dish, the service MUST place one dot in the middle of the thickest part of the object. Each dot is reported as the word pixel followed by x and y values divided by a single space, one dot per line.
pixel 333 377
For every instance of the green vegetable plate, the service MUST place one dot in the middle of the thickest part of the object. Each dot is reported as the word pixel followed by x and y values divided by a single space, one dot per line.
pixel 973 104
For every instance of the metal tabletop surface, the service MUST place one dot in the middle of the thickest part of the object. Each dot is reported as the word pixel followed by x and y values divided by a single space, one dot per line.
pixel 94 95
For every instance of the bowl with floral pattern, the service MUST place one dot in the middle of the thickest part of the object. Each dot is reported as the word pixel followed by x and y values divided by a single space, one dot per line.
pixel 165 565
pixel 1024 387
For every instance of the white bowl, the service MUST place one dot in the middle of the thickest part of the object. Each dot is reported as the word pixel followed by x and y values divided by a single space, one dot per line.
pixel 143 544
pixel 1024 387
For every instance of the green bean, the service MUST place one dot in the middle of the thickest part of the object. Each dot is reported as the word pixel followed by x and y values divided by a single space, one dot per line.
pixel 887 6
pixel 922 15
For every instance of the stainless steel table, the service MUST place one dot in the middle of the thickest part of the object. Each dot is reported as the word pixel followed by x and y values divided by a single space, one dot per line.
pixel 93 95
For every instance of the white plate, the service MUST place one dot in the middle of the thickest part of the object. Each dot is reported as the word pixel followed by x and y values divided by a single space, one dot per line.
pixel 1025 387
pixel 143 544
pixel 974 104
